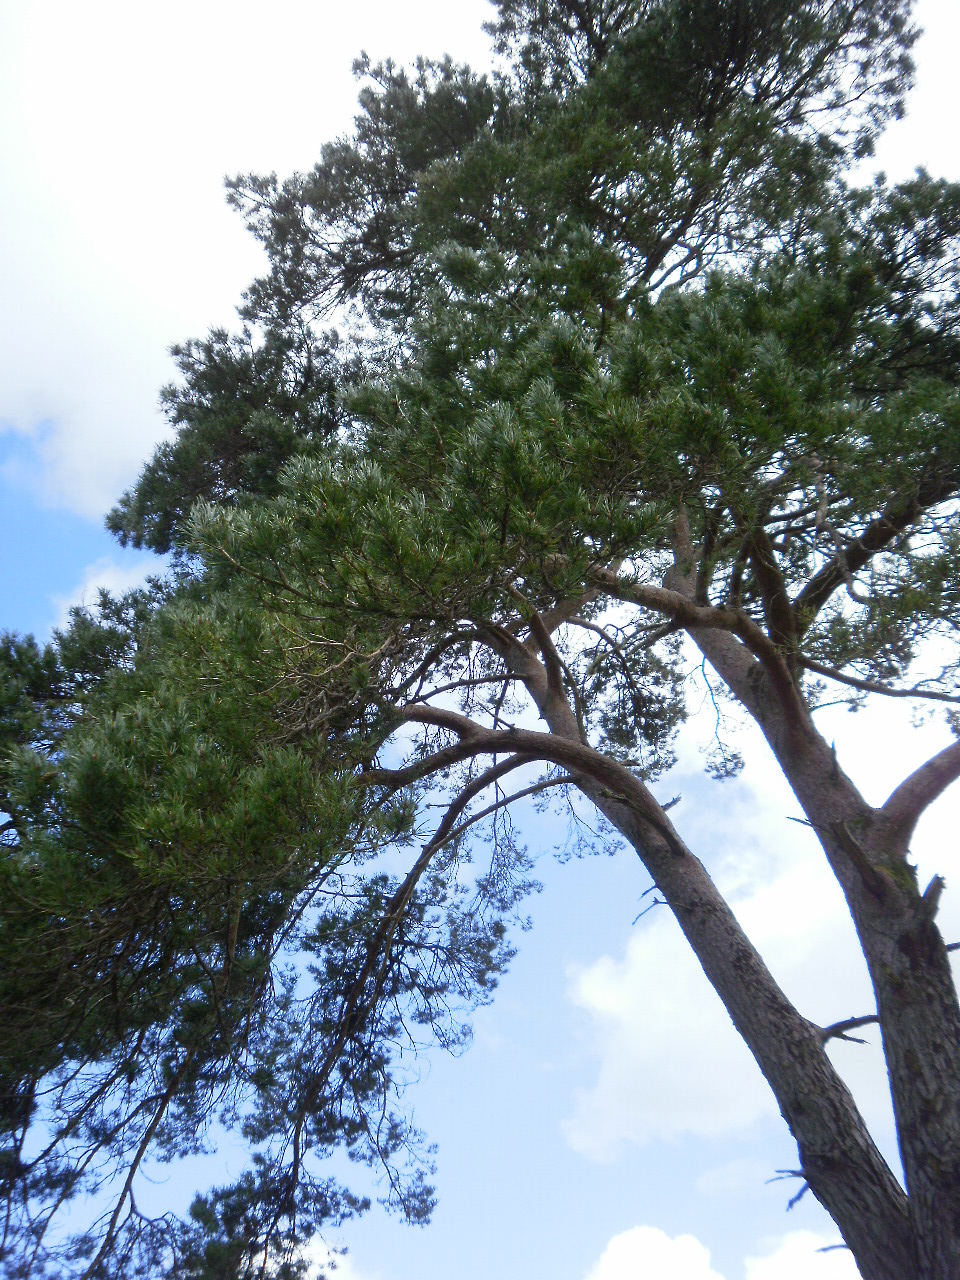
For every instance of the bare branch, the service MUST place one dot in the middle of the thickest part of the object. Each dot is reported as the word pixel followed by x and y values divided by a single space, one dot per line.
pixel 540 637
pixel 873 686
pixel 161 1110
pixel 589 765
pixel 537 788
pixel 777 609
pixel 936 486
pixel 468 682
pixel 586 625
pixel 694 617
pixel 554 618
pixel 445 830
pixel 431 657
pixel 838 1030
pixel 825 523
pixel 440 760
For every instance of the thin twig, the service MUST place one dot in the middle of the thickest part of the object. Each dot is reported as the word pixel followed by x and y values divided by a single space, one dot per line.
pixel 873 686
pixel 535 789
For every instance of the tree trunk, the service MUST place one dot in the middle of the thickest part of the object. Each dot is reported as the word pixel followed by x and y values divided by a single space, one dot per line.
pixel 920 1028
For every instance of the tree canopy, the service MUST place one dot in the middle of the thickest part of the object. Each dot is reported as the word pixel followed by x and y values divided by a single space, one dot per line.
pixel 631 371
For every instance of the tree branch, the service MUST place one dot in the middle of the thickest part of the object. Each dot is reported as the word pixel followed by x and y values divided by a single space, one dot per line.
pixel 420 769
pixel 161 1110
pixel 873 686
pixel 430 658
pixel 907 802
pixel 838 1030
pixel 697 617
pixel 535 789
pixel 777 609
pixel 566 609
pixel 540 640
pixel 613 778
pixel 938 484
pixel 445 831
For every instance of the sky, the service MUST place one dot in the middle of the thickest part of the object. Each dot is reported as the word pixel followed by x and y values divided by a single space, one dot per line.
pixel 606 1123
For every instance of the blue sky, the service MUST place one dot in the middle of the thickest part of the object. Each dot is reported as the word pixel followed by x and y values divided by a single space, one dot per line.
pixel 606 1123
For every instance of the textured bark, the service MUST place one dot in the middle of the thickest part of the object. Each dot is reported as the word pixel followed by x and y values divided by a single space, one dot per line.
pixel 920 1026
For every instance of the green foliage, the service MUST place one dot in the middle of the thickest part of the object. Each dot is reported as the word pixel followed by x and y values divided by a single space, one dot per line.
pixel 243 410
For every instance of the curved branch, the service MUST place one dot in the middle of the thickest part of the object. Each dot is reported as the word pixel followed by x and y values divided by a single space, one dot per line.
pixel 540 639
pixel 445 831
pixel 431 657
pixel 535 789
pixel 570 753
pixel 125 1192
pixel 777 609
pixel 907 802
pixel 442 759
pixel 469 682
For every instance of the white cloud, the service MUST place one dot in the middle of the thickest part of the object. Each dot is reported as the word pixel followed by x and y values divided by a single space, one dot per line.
pixel 116 240
pixel 798 1256
pixel 923 136
pixel 670 1060
pixel 106 574
pixel 647 1253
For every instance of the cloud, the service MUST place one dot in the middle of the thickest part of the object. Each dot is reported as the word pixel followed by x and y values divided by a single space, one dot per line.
pixel 116 238
pixel 798 1257
pixel 649 1252
pixel 670 1060
pixel 108 575
pixel 81 365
